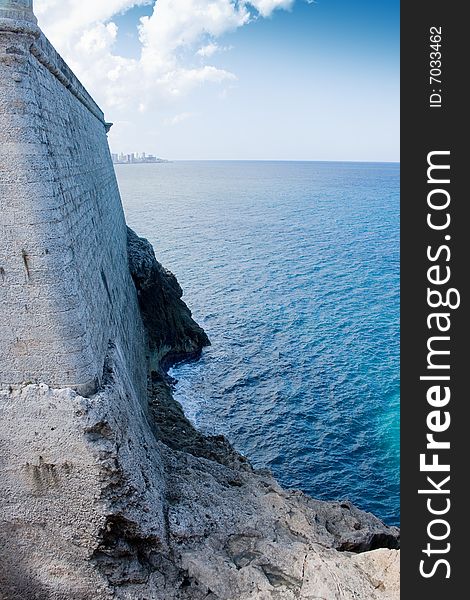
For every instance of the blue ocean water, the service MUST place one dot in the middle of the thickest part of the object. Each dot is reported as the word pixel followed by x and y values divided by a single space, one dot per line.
pixel 292 268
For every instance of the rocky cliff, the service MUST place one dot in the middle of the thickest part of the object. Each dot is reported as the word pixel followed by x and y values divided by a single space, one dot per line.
pixel 107 497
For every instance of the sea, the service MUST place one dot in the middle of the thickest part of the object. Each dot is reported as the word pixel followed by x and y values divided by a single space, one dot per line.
pixel 292 268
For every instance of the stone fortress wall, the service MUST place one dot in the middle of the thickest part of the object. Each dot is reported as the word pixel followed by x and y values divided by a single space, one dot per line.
pixel 64 294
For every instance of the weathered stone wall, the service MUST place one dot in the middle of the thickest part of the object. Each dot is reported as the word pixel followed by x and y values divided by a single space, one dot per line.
pixel 64 289
pixel 17 9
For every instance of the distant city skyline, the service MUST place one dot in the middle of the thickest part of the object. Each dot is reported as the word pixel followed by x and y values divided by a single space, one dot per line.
pixel 135 158
pixel 226 79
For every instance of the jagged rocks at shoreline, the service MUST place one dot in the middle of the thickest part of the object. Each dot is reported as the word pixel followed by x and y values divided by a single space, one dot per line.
pixel 112 497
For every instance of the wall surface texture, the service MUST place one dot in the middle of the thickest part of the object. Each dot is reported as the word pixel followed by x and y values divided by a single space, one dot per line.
pixel 64 294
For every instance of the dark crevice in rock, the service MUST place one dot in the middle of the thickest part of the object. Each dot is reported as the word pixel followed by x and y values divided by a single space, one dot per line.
pixel 372 542
pixel 124 555
pixel 278 578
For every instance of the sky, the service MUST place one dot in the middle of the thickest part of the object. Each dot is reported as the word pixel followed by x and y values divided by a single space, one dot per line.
pixel 232 79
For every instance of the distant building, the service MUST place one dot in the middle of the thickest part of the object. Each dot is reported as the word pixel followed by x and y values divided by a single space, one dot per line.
pixel 135 158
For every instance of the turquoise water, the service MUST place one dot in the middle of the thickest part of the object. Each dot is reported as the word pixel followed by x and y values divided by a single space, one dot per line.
pixel 293 271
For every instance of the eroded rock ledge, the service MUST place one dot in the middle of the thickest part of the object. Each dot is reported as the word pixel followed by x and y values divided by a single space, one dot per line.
pixel 109 497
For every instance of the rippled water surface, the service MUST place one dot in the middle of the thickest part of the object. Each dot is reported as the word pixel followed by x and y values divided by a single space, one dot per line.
pixel 293 271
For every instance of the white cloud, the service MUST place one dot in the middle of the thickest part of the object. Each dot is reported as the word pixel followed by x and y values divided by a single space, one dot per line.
pixel 208 50
pixel 98 39
pixel 267 7
pixel 63 18
pixel 84 33
pixel 176 25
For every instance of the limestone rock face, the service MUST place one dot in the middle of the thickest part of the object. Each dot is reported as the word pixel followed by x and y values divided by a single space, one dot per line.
pixel 236 534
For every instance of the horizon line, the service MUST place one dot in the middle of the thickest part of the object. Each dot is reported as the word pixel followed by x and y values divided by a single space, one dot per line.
pixel 391 162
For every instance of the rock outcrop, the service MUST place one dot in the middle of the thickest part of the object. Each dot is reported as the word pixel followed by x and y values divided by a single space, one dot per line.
pixel 172 333
pixel 109 497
